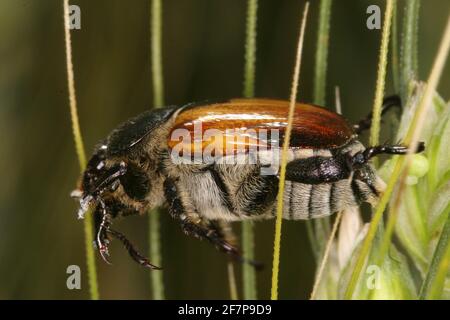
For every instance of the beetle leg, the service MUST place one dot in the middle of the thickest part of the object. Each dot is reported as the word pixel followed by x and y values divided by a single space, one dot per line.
pixel 197 227
pixel 223 229
pixel 388 103
pixel 102 224
pixel 103 228
pixel 135 255
pixel 318 169
pixel 256 192
pixel 364 156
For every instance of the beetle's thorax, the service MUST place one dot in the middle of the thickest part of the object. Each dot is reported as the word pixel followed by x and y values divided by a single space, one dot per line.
pixel 146 161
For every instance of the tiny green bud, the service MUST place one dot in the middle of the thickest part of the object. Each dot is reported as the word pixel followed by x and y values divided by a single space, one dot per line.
pixel 419 166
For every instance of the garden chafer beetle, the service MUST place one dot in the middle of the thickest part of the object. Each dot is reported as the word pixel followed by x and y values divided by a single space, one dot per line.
pixel 216 162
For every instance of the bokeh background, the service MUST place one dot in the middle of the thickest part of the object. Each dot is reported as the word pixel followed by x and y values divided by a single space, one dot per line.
pixel 203 47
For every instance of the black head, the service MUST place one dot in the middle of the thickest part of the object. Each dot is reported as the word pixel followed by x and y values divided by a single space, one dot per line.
pixel 98 178
pixel 119 176
pixel 123 159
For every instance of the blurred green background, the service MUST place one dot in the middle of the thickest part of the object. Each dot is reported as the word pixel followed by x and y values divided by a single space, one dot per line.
pixel 203 47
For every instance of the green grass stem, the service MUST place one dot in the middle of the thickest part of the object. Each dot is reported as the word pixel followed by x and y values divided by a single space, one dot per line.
pixel 282 176
pixel 402 163
pixel 408 50
pixel 374 138
pixel 394 50
pixel 412 139
pixel 248 232
pixel 321 226
pixel 320 68
pixel 156 277
pixel 79 147
pixel 440 265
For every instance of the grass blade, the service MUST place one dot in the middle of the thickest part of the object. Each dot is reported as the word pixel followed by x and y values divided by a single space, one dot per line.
pixel 408 50
pixel 381 77
pixel 402 164
pixel 374 138
pixel 439 267
pixel 326 254
pixel 320 69
pixel 79 146
pixel 248 233
pixel 322 226
pixel 157 283
pixel 441 255
pixel 250 49
pixel 293 98
pixel 394 50
pixel 232 281
pixel 156 54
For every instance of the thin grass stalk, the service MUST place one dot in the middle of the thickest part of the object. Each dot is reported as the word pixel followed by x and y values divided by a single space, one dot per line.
pixel 250 49
pixel 319 97
pixel 248 233
pixel 156 54
pixel 440 264
pixel 408 50
pixel 157 284
pixel 79 147
pixel 326 254
pixel 415 44
pixel 232 281
pixel 248 252
pixel 374 137
pixel 282 177
pixel 338 105
pixel 411 139
pixel 321 59
pixel 409 69
pixel 312 240
pixel 394 50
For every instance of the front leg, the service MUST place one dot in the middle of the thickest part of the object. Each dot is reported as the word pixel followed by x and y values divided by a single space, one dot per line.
pixel 102 222
pixel 103 233
pixel 256 192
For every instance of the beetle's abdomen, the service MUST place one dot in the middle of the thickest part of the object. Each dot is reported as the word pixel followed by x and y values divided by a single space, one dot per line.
pixel 310 201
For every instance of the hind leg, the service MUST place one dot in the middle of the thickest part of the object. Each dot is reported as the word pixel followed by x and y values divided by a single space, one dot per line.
pixel 256 193
pixel 388 103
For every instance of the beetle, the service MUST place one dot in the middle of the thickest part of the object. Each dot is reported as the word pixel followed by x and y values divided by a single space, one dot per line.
pixel 210 162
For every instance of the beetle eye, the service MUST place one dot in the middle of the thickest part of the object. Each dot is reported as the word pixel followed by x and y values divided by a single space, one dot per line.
pixel 358 158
